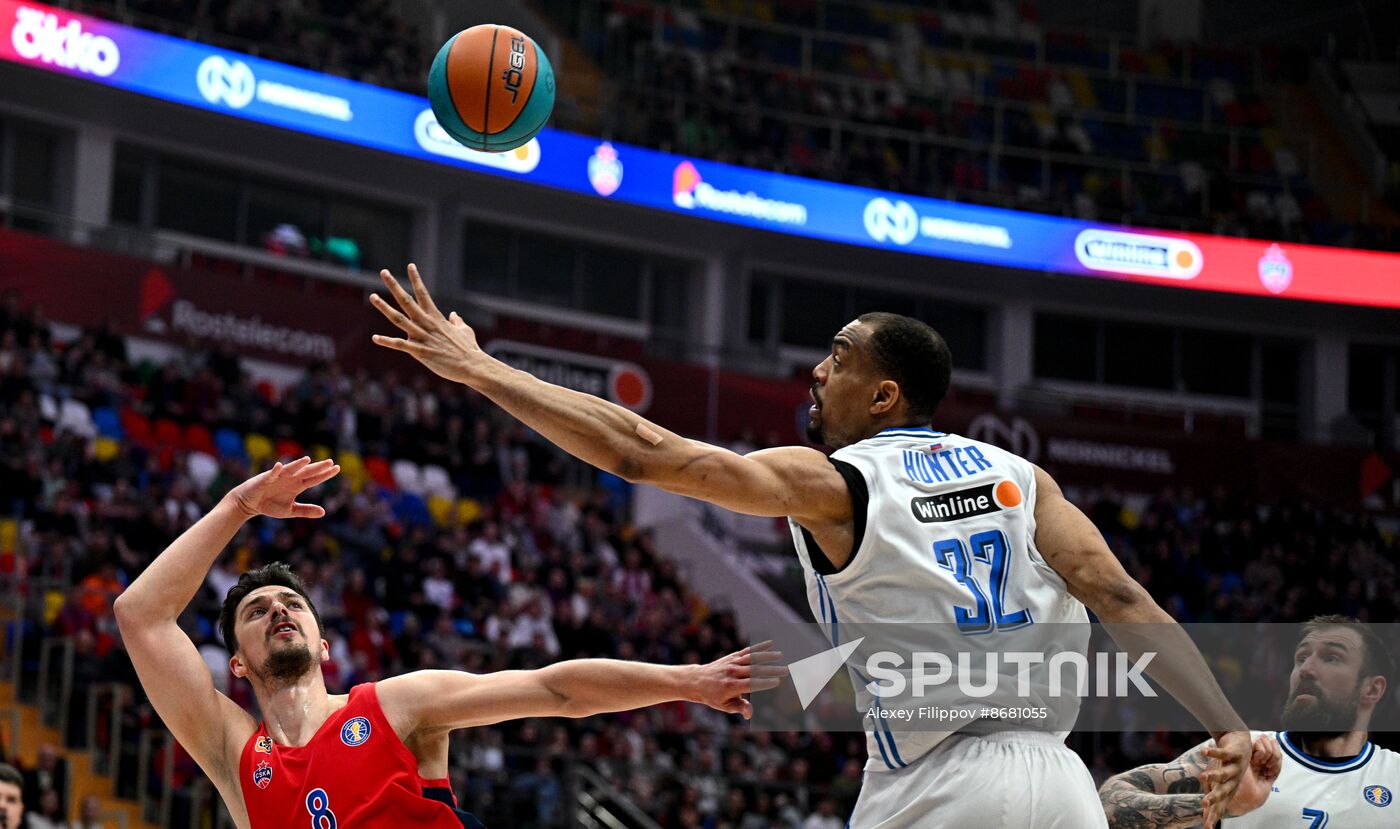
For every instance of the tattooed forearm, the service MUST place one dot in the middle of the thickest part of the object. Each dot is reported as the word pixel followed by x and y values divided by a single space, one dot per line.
pixel 1161 796
pixel 1130 808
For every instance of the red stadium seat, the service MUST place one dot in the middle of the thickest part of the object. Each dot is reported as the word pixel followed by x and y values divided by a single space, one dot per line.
pixel 197 438
pixel 290 449
pixel 380 473
pixel 137 428
pixel 168 433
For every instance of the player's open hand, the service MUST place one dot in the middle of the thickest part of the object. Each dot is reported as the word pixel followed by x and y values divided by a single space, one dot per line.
pixel 723 683
pixel 274 492
pixel 447 345
pixel 1265 765
pixel 1230 758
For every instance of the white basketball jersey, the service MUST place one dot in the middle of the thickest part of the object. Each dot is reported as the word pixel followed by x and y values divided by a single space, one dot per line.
pixel 1313 793
pixel 949 537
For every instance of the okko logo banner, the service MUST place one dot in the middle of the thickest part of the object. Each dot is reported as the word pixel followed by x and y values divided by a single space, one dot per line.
pixel 44 36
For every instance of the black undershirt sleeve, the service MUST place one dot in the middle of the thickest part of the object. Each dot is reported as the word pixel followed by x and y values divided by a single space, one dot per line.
pixel 860 504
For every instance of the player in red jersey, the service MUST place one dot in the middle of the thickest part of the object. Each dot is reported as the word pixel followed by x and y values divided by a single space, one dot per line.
pixel 374 758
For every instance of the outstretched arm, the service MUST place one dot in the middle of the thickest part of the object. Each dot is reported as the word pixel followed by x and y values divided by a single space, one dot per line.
pixel 1073 546
pixel 171 671
pixel 1168 795
pixel 794 481
pixel 434 700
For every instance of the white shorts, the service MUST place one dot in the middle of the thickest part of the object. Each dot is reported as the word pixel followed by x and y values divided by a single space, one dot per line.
pixel 1015 780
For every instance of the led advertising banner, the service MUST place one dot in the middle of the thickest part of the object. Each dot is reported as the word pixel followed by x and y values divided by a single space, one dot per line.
pixel 310 102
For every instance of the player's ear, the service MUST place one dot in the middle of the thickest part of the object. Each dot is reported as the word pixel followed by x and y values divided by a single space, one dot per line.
pixel 235 665
pixel 1373 689
pixel 885 397
pixel 325 651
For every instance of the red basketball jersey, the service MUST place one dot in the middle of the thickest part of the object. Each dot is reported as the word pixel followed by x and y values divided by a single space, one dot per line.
pixel 355 773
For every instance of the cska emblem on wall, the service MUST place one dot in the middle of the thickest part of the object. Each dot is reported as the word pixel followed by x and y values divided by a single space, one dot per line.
pixel 262 775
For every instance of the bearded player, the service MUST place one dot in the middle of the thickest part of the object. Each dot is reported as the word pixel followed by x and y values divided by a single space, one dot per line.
pixel 1029 557
pixel 1329 774
pixel 375 758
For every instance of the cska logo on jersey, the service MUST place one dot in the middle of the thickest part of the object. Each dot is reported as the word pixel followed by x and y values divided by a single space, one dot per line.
pixel 355 731
pixel 1377 795
pixel 263 745
pixel 262 775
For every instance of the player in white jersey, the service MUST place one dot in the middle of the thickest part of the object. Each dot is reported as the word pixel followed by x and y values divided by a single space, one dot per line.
pixel 1332 776
pixel 874 398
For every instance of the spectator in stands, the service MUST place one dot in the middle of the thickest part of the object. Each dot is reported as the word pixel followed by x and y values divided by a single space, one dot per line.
pixel 49 776
pixel 11 797
pixel 90 816
pixel 48 814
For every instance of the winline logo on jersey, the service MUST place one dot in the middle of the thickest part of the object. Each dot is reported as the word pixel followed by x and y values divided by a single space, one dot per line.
pixel 992 666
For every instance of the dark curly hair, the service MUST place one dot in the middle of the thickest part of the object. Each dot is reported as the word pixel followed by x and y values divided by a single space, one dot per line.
pixel 276 573
pixel 915 357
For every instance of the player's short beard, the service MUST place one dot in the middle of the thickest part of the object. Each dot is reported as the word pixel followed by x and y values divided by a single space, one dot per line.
pixel 284 666
pixel 1321 717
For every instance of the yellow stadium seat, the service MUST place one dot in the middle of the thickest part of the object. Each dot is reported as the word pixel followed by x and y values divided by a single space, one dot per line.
pixel 352 469
pixel 54 600
pixel 106 449
pixel 261 452
pixel 1082 90
pixel 468 511
pixel 9 534
pixel 319 451
pixel 440 509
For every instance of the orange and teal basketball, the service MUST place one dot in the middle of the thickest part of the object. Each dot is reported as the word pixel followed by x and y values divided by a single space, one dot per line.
pixel 491 88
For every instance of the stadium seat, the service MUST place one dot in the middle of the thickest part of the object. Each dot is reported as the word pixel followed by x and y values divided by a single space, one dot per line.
pixel 379 472
pixel 9 534
pixel 441 510
pixel 198 439
pixel 407 476
pixel 411 509
pixel 106 449
pixel 288 449
pixel 260 450
pixel 203 468
pixel 108 422
pixel 168 433
pixel 137 428
pixel 230 444
pixel 468 511
pixel 437 482
pixel 74 417
pixel 320 451
pixel 352 469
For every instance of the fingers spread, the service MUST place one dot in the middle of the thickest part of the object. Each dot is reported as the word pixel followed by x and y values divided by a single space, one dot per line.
pixel 402 297
pixel 421 291
pixel 392 314
pixel 399 344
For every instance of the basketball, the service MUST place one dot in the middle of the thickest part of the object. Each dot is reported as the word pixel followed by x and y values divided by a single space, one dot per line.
pixel 491 87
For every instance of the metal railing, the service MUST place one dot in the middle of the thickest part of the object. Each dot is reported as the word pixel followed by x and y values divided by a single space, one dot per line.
pixel 155 808
pixel 599 805
pixel 53 702
pixel 996 150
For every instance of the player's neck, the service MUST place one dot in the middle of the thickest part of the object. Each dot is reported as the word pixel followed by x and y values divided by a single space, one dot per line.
pixel 1340 745
pixel 294 712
